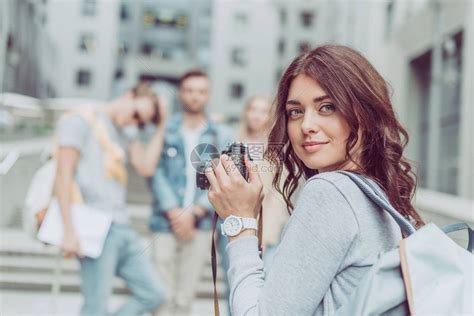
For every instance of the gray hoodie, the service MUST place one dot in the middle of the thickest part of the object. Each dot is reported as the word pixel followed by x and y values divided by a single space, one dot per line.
pixel 333 237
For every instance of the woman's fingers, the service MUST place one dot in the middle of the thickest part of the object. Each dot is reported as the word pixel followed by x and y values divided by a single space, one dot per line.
pixel 254 177
pixel 209 172
pixel 229 167
pixel 220 173
pixel 234 197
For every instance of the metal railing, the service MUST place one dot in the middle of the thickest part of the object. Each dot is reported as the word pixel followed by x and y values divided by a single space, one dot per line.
pixel 9 161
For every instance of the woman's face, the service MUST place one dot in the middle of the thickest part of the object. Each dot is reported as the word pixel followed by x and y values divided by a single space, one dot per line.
pixel 258 115
pixel 317 131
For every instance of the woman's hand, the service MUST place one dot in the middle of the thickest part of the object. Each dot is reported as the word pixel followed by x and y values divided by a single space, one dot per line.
pixel 70 245
pixel 229 193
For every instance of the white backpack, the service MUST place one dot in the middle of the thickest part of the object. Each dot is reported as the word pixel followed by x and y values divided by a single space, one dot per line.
pixel 38 196
pixel 427 274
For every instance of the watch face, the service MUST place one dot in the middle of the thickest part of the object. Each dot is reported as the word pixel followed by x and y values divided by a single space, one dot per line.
pixel 232 226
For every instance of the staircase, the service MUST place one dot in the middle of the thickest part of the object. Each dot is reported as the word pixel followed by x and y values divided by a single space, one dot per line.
pixel 26 264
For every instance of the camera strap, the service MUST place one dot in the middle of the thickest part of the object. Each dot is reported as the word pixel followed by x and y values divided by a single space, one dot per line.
pixel 214 252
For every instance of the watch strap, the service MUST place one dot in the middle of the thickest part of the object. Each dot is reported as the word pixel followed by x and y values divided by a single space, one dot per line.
pixel 249 223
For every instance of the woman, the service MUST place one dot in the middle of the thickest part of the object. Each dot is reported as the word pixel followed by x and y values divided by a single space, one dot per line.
pixel 255 123
pixel 333 113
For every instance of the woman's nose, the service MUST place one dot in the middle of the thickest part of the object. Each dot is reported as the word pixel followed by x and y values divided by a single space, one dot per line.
pixel 310 123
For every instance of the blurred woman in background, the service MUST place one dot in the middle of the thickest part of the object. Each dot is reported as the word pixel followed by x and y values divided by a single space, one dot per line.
pixel 254 129
pixel 255 122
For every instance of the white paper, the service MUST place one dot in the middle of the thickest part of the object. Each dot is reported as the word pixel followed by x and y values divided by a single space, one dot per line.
pixel 91 227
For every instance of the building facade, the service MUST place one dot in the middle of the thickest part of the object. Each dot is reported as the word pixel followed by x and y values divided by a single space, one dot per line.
pixel 26 50
pixel 244 55
pixel 430 50
pixel 98 48
pixel 85 35
pixel 159 41
pixel 424 50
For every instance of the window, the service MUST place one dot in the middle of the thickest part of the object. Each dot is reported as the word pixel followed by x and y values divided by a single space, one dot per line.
pixel 165 18
pixel 304 47
pixel 440 174
pixel 149 18
pixel 238 57
pixel 389 17
pixel 278 75
pixel 31 9
pixel 124 12
pixel 281 46
pixel 10 42
pixel 87 43
pixel 50 92
pixel 147 49
pixel 43 19
pixel 206 12
pixel 307 19
pixel 283 16
pixel 203 55
pixel 119 74
pixel 181 21
pixel 122 48
pixel 83 78
pixel 166 54
pixel 240 20
pixel 450 115
pixel 420 89
pixel 236 90
pixel 89 7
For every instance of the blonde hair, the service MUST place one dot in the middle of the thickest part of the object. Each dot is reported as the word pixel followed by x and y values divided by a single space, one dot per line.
pixel 243 130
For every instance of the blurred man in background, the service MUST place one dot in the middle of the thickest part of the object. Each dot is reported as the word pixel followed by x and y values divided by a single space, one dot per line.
pixel 97 166
pixel 182 214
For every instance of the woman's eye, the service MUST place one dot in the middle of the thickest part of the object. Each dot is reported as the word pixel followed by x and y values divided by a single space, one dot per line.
pixel 293 113
pixel 327 108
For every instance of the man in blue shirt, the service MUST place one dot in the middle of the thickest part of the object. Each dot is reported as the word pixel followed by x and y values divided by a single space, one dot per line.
pixel 182 214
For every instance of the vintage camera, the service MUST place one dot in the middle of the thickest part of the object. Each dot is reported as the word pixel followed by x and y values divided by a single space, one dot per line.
pixel 236 152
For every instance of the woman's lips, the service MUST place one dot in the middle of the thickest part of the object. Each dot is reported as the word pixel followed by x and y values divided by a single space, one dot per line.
pixel 312 147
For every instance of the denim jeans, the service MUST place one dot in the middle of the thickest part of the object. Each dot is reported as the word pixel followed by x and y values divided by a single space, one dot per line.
pixel 124 256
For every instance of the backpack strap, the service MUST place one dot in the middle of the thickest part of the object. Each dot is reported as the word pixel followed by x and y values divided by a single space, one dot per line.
pixel 461 226
pixel 114 156
pixel 374 194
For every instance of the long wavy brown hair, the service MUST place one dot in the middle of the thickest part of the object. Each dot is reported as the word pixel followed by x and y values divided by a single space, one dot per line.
pixel 362 97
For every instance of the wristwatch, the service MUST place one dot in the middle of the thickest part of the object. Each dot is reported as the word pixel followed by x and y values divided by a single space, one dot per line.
pixel 233 225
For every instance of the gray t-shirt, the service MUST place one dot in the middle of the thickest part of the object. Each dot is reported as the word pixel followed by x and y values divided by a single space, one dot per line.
pixel 330 242
pixel 97 189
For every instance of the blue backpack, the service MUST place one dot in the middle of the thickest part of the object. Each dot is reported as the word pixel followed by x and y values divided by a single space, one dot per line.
pixel 428 274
